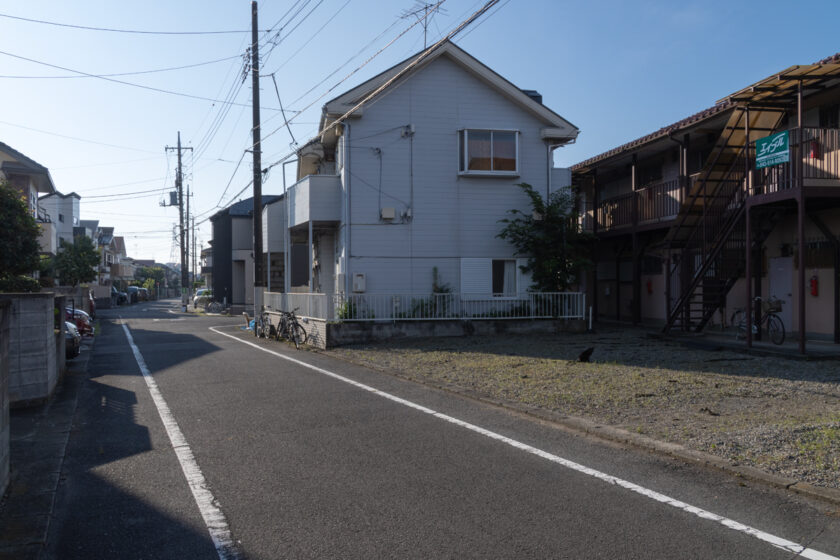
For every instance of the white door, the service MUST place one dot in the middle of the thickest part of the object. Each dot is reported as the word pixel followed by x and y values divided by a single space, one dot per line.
pixel 781 287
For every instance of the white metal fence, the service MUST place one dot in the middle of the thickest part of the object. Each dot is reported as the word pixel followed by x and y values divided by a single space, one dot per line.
pixel 430 307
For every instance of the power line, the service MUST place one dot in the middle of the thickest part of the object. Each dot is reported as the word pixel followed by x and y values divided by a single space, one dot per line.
pixel 326 23
pixel 345 78
pixel 417 60
pixel 123 82
pixel 113 30
pixel 137 73
pixel 77 138
pixel 125 194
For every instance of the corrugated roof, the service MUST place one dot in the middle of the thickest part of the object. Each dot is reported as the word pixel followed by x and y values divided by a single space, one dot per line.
pixel 721 106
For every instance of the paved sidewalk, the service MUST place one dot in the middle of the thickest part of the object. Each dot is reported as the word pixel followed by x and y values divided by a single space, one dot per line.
pixel 38 442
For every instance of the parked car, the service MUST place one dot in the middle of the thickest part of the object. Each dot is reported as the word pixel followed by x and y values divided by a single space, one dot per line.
pixel 72 340
pixel 144 294
pixel 202 297
pixel 133 294
pixel 81 319
pixel 120 298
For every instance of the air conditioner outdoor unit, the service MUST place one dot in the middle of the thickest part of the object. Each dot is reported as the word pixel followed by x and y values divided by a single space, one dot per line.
pixel 359 282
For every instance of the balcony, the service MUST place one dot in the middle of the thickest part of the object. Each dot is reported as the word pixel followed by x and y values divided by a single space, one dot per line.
pixel 814 163
pixel 647 207
pixel 316 199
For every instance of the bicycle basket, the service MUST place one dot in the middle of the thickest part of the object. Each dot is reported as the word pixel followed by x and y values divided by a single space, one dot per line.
pixel 773 305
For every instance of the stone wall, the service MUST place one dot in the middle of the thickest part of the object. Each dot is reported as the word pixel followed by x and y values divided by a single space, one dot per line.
pixel 33 372
pixel 5 316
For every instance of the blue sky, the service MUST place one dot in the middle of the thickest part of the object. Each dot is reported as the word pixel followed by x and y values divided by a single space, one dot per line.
pixel 617 70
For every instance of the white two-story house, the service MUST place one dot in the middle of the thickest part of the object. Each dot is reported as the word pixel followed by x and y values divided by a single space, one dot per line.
pixel 408 190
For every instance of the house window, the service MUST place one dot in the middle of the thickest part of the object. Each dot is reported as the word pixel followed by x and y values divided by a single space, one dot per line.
pixel 481 277
pixel 504 277
pixel 488 152
pixel 61 218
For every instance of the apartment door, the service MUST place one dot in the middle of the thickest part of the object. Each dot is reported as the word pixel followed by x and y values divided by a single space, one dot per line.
pixel 781 287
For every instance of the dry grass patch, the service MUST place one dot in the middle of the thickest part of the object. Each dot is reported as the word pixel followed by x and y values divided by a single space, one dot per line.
pixel 780 415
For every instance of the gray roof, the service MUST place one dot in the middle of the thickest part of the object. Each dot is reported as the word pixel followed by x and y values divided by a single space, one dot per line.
pixel 27 166
pixel 245 207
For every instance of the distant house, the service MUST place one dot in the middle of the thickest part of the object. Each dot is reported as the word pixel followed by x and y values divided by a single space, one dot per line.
pixel 232 254
pixel 410 188
pixel 31 178
pixel 63 212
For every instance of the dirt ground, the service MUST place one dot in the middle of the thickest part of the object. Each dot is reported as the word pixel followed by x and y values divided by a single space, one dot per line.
pixel 779 415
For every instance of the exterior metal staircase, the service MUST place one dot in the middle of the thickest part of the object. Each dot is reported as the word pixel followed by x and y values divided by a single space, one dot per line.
pixel 707 243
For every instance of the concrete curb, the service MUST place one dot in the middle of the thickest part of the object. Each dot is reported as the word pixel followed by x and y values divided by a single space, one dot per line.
pixel 612 434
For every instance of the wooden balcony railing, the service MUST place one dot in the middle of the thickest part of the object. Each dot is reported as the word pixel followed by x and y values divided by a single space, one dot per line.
pixel 650 205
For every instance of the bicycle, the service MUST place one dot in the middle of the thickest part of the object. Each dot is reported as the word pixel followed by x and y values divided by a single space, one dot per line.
pixel 263 327
pixel 769 318
pixel 213 307
pixel 290 329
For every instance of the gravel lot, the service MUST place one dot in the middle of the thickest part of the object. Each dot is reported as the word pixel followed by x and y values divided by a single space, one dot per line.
pixel 779 415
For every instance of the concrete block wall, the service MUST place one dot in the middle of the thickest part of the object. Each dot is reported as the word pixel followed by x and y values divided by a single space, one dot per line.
pixel 5 316
pixel 33 371
pixel 339 334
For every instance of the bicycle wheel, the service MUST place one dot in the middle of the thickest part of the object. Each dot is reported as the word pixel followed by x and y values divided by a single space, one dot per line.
pixel 298 334
pixel 739 321
pixel 776 329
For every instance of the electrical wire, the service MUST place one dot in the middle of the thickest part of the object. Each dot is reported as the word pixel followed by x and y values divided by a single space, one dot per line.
pixel 311 37
pixel 123 82
pixel 77 138
pixel 113 30
pixel 125 194
pixel 138 73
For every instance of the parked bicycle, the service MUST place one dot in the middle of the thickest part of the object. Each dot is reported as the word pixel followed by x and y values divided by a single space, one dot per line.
pixel 290 328
pixel 769 319
pixel 213 307
pixel 263 327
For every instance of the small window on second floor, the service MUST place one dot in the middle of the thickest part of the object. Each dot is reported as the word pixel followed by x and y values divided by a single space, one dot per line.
pixel 61 218
pixel 488 152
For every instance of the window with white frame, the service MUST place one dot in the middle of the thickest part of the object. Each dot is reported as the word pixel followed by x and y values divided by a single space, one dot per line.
pixel 488 152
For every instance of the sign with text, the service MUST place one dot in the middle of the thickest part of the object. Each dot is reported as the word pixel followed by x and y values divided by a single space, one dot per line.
pixel 772 150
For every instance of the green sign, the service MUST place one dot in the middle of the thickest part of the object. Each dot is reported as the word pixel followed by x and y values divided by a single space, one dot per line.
pixel 772 150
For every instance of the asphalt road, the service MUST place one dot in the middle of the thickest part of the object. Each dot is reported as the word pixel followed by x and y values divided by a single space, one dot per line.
pixel 312 463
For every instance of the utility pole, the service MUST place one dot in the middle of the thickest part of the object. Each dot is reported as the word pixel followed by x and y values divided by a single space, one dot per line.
pixel 179 186
pixel 255 103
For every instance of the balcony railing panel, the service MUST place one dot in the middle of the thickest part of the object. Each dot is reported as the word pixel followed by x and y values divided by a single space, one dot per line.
pixel 814 159
pixel 616 212
pixel 660 202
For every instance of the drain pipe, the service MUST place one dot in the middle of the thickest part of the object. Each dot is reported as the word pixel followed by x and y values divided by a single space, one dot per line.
pixel 347 214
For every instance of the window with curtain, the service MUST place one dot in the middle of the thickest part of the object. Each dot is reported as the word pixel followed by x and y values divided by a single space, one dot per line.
pixel 504 277
pixel 488 151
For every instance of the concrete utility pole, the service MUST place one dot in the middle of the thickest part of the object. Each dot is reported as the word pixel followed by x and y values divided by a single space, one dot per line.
pixel 179 186
pixel 255 103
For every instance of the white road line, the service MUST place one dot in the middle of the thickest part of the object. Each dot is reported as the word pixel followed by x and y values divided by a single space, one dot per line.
pixel 213 516
pixel 778 542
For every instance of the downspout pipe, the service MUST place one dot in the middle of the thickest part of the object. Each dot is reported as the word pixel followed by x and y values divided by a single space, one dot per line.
pixel 347 214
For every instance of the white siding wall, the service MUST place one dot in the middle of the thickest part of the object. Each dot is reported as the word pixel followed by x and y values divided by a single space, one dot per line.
pixel 452 216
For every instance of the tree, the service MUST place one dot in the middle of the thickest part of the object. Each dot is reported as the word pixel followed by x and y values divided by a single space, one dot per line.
pixel 145 272
pixel 19 247
pixel 75 261
pixel 551 237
